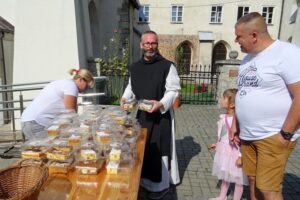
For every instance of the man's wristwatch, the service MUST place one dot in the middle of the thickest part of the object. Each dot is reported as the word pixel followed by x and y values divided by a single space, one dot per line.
pixel 286 135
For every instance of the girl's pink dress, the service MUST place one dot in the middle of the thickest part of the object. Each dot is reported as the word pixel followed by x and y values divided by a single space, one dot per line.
pixel 226 155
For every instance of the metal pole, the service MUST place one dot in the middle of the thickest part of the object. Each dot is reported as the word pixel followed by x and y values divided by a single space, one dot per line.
pixel 14 126
pixel 21 110
pixel 21 102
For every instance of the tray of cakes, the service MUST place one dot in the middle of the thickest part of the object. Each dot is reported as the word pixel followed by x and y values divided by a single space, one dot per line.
pixel 60 166
pixel 129 105
pixel 60 156
pixel 89 117
pixel 119 167
pixel 89 167
pixel 103 133
pixel 89 160
pixel 59 150
pixel 36 148
pixel 62 121
pixel 119 173
pixel 145 105
pixel 74 140
pixel 120 158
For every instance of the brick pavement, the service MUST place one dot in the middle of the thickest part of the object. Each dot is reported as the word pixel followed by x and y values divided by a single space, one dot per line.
pixel 196 127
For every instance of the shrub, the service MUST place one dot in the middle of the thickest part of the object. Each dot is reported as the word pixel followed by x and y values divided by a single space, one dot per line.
pixel 115 56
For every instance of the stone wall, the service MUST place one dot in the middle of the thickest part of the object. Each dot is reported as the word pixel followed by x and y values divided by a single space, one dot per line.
pixel 169 43
pixel 228 73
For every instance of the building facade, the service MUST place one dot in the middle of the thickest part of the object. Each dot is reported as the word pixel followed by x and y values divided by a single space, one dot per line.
pixel 290 22
pixel 6 51
pixel 202 32
pixel 6 60
pixel 52 36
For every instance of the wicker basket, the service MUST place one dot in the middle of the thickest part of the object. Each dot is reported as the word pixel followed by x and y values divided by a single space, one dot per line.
pixel 22 182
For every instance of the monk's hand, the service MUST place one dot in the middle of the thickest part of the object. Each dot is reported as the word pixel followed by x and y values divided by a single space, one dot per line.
pixel 156 105
pixel 122 101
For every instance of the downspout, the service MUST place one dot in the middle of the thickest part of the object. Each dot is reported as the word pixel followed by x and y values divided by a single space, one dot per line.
pixel 2 57
pixel 280 22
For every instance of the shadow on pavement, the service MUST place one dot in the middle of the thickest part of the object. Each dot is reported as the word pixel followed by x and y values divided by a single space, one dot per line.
pixel 186 149
pixel 290 186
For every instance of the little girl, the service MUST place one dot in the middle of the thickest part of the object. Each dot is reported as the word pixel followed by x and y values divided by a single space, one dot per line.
pixel 227 164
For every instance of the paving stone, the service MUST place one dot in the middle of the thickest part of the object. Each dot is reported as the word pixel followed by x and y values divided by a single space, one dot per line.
pixel 196 127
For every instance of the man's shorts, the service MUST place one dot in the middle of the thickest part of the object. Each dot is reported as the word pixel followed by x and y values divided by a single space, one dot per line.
pixel 266 160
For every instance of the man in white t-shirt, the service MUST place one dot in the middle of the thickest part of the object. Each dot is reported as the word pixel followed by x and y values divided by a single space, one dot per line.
pixel 267 105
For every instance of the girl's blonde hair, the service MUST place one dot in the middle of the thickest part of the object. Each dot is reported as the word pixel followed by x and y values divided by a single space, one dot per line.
pixel 230 94
pixel 83 73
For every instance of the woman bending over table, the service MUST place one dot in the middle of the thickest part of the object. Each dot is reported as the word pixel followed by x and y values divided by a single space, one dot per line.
pixel 55 97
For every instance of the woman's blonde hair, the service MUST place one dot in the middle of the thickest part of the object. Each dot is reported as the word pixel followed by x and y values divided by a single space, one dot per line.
pixel 230 94
pixel 83 73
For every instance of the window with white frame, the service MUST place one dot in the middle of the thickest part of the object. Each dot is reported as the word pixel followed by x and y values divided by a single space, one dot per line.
pixel 242 10
pixel 144 14
pixel 267 13
pixel 216 14
pixel 176 13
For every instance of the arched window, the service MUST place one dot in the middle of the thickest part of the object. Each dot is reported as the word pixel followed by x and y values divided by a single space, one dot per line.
pixel 183 58
pixel 219 53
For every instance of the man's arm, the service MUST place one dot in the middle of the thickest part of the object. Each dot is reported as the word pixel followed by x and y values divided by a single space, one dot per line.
pixel 289 70
pixel 292 120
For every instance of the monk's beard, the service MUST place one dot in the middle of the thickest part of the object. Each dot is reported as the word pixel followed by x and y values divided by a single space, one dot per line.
pixel 149 54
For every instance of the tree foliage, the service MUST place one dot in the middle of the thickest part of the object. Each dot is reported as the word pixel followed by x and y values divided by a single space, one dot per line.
pixel 115 56
pixel 180 61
